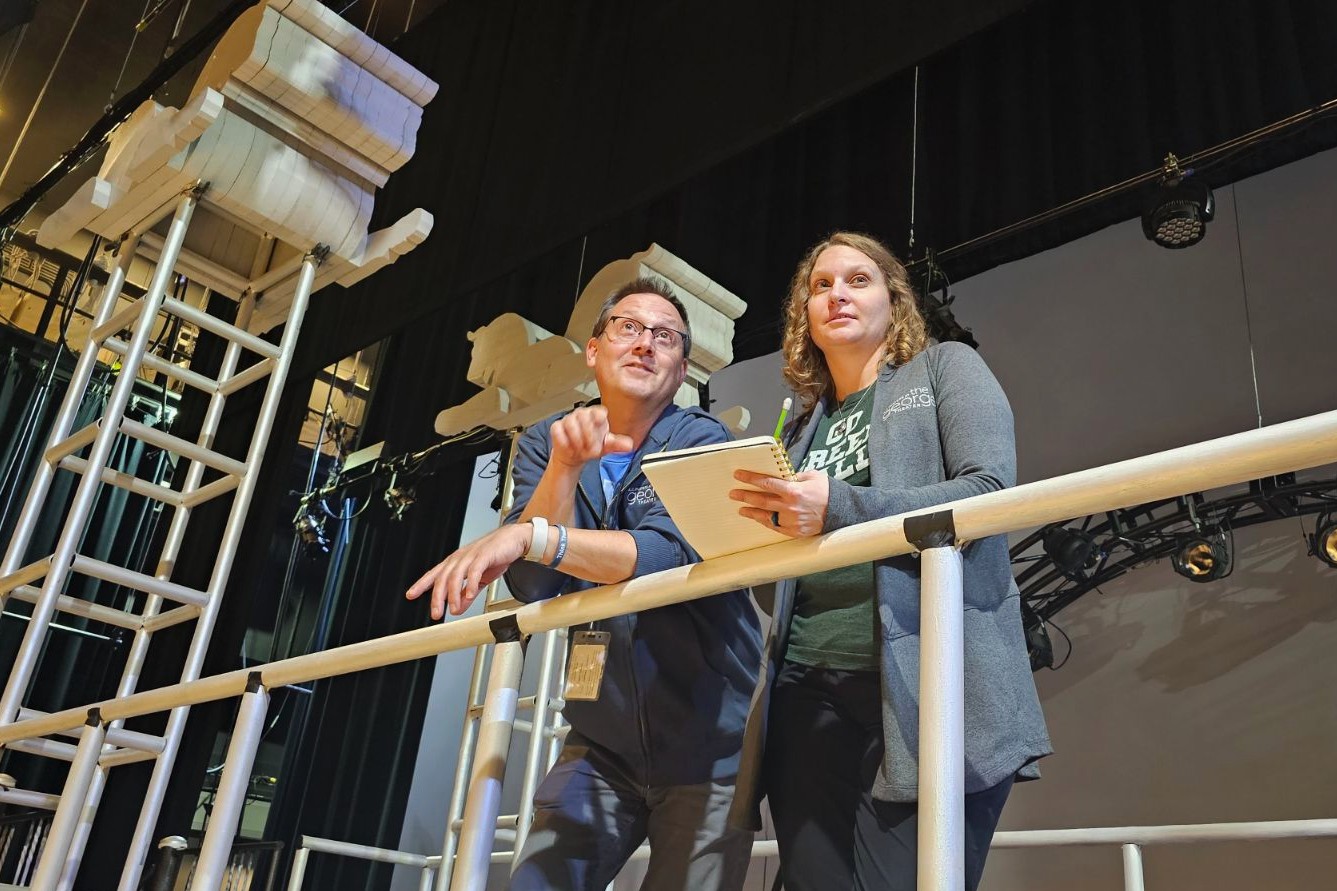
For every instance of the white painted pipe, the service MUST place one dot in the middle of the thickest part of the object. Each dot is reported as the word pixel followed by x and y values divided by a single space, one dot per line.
pixel 1132 868
pixel 230 797
pixel 363 852
pixel 942 772
pixel 538 744
pixel 298 874
pixel 484 799
pixel 1167 835
pixel 72 796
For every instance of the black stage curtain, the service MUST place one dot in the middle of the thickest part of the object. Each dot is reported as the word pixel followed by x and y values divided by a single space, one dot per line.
pixel 563 139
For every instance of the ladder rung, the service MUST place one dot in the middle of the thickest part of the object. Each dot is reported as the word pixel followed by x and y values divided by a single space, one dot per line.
pixel 504 821
pixel 208 493
pixel 119 575
pixel 25 574
pixel 162 366
pixel 87 609
pixel 222 329
pixel 245 378
pixel 27 798
pixel 73 443
pixel 499 605
pixel 43 748
pixel 171 617
pixel 117 322
pixel 178 446
pixel 127 481
pixel 125 756
pixel 116 736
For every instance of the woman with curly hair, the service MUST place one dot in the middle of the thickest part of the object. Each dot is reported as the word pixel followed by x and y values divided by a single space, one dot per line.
pixel 892 422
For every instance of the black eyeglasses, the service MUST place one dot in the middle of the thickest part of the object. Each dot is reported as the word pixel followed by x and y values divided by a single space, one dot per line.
pixel 621 329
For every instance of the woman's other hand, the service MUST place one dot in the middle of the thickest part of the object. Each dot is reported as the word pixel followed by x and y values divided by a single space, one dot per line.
pixel 795 507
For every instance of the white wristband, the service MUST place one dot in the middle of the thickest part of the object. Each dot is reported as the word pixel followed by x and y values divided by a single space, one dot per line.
pixel 539 543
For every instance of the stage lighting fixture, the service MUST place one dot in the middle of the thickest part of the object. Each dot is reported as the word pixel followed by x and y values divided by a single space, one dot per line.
pixel 1203 558
pixel 1179 209
pixel 1038 645
pixel 1323 543
pixel 310 528
pixel 399 499
pixel 1072 550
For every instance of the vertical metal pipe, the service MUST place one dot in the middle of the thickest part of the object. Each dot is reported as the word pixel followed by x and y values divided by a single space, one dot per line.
pixel 72 797
pixel 1132 868
pixel 69 408
pixel 494 742
pixel 535 766
pixel 204 626
pixel 426 879
pixel 469 733
pixel 232 786
pixel 942 773
pixel 34 637
pixel 298 873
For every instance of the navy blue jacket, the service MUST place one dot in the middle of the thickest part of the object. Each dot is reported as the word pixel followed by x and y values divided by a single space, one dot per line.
pixel 679 678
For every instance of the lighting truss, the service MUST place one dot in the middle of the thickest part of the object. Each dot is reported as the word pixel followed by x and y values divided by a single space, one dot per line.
pixel 1136 536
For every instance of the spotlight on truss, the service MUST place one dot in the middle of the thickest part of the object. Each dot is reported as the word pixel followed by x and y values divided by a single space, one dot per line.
pixel 399 499
pixel 1039 647
pixel 1179 208
pixel 1203 557
pixel 1072 550
pixel 310 528
pixel 1323 543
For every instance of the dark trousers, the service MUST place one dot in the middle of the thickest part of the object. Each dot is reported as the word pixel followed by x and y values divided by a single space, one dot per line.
pixel 823 750
pixel 591 813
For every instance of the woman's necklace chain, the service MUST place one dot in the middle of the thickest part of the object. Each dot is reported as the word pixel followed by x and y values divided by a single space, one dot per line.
pixel 858 403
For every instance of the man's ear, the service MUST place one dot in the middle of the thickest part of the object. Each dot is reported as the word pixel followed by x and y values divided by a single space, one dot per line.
pixel 682 372
pixel 591 350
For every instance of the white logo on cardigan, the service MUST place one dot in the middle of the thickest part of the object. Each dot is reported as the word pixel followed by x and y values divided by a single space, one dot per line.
pixel 919 397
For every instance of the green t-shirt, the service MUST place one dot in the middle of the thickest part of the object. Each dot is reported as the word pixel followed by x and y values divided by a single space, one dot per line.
pixel 835 618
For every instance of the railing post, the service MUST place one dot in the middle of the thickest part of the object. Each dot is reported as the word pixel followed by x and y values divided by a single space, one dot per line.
pixel 479 825
pixel 942 771
pixel 298 873
pixel 72 797
pixel 231 795
pixel 168 867
pixel 1132 868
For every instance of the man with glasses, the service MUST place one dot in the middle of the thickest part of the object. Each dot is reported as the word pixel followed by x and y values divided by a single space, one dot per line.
pixel 654 743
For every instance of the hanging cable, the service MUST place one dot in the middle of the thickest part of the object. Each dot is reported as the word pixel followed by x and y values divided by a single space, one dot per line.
pixel 1244 291
pixel 914 158
pixel 41 94
pixel 12 54
pixel 580 270
pixel 134 36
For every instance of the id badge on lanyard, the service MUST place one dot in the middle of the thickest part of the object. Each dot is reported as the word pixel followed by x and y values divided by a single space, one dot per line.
pixel 585 667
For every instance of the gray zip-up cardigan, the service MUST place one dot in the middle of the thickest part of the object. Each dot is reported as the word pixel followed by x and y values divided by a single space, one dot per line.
pixel 940 430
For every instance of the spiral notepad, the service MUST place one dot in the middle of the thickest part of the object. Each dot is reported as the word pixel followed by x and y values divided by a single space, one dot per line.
pixel 694 485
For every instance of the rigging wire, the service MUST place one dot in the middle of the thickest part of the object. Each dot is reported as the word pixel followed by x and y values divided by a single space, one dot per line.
pixel 41 94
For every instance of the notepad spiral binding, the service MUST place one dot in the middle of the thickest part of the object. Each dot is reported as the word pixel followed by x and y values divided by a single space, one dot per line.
pixel 782 459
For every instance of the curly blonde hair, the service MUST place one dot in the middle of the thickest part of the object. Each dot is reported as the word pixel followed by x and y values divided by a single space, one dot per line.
pixel 806 370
